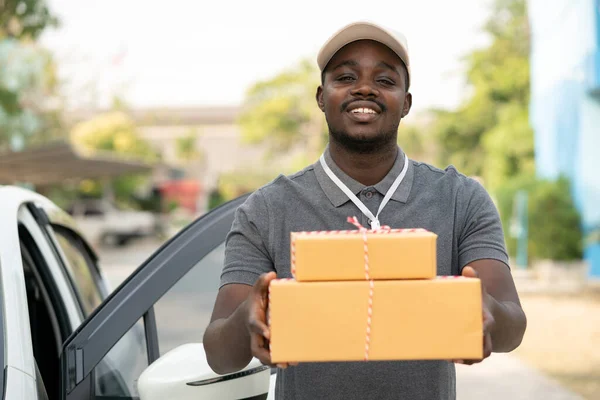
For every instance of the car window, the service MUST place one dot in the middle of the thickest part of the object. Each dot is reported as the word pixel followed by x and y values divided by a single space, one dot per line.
pixel 117 374
pixel 80 269
pixel 184 312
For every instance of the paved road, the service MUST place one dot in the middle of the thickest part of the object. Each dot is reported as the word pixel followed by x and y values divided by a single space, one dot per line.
pixel 501 377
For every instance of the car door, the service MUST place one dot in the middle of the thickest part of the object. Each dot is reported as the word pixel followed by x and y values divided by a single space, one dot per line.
pixel 165 303
pixel 38 308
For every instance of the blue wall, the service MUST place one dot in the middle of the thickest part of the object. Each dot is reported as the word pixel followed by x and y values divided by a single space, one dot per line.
pixel 565 103
pixel 587 184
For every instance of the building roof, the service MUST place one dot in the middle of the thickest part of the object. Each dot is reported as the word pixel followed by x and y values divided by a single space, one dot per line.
pixel 167 116
pixel 60 161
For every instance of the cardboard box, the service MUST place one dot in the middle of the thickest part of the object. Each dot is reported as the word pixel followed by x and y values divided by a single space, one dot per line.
pixel 411 320
pixel 340 256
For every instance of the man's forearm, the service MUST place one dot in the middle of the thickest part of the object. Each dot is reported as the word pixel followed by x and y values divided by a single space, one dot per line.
pixel 510 325
pixel 227 343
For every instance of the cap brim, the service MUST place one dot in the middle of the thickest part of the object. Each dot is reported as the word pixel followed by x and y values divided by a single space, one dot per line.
pixel 364 31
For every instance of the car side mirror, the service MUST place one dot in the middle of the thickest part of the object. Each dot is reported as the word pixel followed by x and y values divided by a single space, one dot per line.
pixel 184 374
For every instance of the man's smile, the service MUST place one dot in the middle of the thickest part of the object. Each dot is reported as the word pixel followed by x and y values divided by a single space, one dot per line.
pixel 364 111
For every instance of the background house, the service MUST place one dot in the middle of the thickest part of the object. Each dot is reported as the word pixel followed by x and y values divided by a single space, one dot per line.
pixel 197 145
pixel 565 104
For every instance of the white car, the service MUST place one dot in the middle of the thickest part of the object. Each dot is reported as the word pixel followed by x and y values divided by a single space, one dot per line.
pixel 66 336
pixel 102 221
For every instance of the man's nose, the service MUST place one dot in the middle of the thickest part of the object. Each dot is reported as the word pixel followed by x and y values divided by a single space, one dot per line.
pixel 365 88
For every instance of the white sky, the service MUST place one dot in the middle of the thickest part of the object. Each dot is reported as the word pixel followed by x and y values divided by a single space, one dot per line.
pixel 196 53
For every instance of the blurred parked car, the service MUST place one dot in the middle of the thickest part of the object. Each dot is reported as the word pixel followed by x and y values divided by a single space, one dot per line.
pixel 65 335
pixel 103 222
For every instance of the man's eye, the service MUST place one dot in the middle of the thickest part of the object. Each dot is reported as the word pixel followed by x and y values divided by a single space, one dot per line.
pixel 386 81
pixel 345 78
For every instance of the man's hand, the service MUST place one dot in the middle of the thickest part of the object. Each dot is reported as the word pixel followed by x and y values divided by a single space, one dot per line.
pixel 488 319
pixel 256 309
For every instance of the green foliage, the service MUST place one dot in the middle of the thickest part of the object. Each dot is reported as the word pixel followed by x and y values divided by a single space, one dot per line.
pixel 504 197
pixel 27 76
pixel 62 195
pixel 186 148
pixel 281 112
pixel 418 141
pixel 27 83
pixel 114 133
pixel 412 140
pixel 459 134
pixel 215 199
pixel 237 183
pixel 554 223
pixel 24 18
pixel 489 135
pixel 508 146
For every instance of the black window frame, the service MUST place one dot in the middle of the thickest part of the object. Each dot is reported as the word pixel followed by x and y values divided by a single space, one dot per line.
pixel 135 299
pixel 57 302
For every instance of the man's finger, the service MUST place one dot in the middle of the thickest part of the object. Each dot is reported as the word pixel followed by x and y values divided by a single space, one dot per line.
pixel 469 272
pixel 262 285
pixel 263 356
pixel 471 362
pixel 487 345
pixel 259 350
pixel 488 322
pixel 258 327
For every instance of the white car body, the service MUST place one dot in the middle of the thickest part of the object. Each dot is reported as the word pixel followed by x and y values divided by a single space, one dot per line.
pixel 18 350
pixel 22 378
pixel 103 221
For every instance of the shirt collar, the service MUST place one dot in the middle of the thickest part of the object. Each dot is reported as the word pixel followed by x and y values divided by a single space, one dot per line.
pixel 338 197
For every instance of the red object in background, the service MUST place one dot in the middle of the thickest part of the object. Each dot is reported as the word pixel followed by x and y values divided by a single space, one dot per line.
pixel 184 192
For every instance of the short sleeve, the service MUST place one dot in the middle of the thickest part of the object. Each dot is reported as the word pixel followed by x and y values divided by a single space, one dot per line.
pixel 481 236
pixel 246 246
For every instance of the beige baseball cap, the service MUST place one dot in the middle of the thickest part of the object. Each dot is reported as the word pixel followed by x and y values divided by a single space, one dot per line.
pixel 364 30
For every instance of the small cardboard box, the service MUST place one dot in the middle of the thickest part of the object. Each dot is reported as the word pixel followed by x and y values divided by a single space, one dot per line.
pixel 410 320
pixel 340 256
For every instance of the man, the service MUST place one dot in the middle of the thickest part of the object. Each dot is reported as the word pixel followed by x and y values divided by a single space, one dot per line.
pixel 364 95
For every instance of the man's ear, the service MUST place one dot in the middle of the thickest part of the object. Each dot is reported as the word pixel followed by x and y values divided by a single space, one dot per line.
pixel 407 104
pixel 319 97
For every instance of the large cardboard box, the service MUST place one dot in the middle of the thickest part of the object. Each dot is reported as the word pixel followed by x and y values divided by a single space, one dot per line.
pixel 410 320
pixel 340 256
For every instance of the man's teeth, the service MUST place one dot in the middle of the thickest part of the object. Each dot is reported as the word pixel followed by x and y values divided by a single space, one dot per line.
pixel 364 111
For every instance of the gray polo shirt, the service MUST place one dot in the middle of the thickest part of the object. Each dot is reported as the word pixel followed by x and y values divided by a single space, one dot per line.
pixel 458 209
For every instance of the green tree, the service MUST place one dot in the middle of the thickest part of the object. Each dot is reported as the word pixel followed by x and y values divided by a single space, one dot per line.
pixel 114 133
pixel 27 75
pixel 417 138
pixel 239 182
pixel 489 135
pixel 186 148
pixel 505 201
pixel 25 19
pixel 281 112
pixel 554 222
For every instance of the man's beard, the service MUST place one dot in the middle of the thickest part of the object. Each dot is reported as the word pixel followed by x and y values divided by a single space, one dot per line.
pixel 364 145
